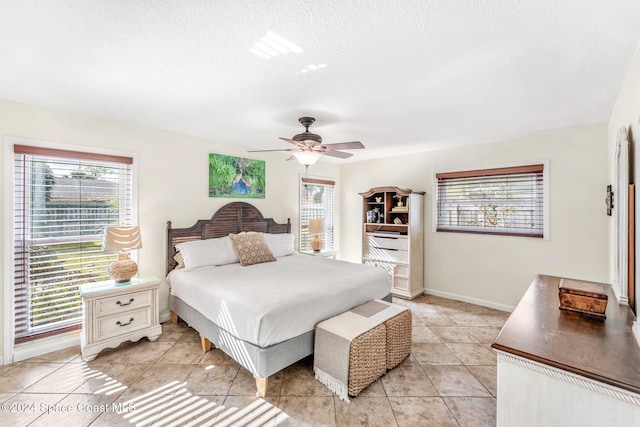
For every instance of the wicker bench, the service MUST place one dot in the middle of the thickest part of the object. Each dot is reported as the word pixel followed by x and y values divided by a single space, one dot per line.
pixel 355 348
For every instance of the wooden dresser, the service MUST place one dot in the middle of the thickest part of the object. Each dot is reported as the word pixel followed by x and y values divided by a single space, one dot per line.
pixel 562 368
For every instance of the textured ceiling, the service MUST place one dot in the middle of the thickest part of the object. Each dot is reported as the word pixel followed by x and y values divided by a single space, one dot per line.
pixel 399 75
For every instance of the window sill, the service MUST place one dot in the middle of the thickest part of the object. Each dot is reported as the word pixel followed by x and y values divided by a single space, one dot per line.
pixel 45 345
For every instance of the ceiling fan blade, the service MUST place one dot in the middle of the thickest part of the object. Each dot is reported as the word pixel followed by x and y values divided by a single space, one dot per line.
pixel 279 149
pixel 291 141
pixel 352 145
pixel 334 153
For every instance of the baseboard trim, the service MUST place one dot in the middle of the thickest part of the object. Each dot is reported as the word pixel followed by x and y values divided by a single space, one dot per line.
pixel 475 301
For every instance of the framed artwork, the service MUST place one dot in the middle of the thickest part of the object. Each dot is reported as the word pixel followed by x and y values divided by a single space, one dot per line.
pixel 236 177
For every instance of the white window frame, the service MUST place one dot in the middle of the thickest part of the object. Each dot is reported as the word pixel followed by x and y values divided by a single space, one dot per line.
pixel 329 235
pixel 546 209
pixel 16 352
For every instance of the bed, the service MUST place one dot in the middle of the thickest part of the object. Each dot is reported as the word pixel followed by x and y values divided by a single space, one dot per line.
pixel 261 315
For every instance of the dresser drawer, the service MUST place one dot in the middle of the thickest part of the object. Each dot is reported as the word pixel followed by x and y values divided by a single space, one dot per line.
pixel 397 270
pixel 123 303
pixel 388 242
pixel 386 255
pixel 401 283
pixel 402 270
pixel 387 266
pixel 123 323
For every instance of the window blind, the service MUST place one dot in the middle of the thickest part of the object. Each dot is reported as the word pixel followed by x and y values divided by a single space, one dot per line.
pixel 62 202
pixel 507 201
pixel 317 201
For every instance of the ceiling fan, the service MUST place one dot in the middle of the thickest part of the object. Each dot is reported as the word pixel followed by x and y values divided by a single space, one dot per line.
pixel 309 146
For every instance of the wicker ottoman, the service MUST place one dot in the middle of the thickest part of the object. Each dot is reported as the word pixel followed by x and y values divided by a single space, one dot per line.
pixel 367 359
pixel 355 348
pixel 398 338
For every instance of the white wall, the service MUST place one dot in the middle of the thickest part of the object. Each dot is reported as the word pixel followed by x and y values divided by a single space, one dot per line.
pixel 496 270
pixel 626 112
pixel 173 176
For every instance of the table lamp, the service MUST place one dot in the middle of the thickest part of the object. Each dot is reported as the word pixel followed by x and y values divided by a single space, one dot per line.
pixel 122 239
pixel 316 226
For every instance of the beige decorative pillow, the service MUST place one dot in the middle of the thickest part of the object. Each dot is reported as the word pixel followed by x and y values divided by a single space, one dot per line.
pixel 251 248
pixel 179 260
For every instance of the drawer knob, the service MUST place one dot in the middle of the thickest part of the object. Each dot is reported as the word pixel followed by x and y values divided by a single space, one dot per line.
pixel 119 323
pixel 123 304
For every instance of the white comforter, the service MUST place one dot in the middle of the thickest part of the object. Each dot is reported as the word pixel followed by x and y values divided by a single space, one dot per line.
pixel 268 303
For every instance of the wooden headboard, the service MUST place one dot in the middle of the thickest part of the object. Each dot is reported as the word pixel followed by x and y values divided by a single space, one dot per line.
pixel 232 218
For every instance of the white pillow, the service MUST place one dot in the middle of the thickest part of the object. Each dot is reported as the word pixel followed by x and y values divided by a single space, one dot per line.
pixel 201 253
pixel 280 244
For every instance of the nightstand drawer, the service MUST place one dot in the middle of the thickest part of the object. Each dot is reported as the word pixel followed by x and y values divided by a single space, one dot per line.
pixel 388 242
pixel 122 303
pixel 123 323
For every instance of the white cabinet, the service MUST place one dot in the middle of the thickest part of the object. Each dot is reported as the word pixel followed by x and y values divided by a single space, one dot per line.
pixel 393 228
pixel 114 313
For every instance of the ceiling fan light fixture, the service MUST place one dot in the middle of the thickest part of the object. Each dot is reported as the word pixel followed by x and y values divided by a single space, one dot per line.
pixel 306 158
pixel 309 146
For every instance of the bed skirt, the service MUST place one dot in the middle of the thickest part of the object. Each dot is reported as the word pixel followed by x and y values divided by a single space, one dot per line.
pixel 260 361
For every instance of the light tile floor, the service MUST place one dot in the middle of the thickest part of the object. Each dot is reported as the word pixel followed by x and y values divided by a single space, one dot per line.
pixel 448 380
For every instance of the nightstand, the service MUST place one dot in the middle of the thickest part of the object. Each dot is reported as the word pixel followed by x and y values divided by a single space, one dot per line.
pixel 322 253
pixel 113 313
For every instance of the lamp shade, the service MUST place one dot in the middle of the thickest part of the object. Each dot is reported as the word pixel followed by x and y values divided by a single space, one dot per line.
pixel 121 238
pixel 316 225
pixel 306 158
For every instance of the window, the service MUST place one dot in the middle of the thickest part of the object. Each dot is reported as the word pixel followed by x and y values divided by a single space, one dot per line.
pixel 62 202
pixel 506 201
pixel 317 201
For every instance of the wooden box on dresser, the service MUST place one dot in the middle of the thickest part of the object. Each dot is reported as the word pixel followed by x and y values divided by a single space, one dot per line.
pixel 393 236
